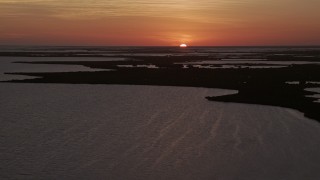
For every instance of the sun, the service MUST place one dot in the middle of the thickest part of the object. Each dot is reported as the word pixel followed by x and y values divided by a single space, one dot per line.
pixel 183 45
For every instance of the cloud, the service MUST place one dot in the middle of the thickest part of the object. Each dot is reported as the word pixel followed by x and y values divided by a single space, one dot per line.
pixel 87 9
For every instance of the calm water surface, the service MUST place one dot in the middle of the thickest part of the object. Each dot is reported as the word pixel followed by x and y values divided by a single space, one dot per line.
pixel 53 131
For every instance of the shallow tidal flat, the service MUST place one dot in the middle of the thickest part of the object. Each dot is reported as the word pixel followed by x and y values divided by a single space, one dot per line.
pixel 52 131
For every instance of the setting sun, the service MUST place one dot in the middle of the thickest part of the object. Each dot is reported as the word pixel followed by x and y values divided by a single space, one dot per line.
pixel 183 45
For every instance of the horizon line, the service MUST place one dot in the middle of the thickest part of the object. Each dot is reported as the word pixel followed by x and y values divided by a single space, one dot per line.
pixel 189 46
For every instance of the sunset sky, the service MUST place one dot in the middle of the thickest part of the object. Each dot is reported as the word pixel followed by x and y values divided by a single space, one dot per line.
pixel 160 22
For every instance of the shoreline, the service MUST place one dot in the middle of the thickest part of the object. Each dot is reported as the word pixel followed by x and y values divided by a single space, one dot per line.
pixel 255 86
pixel 181 67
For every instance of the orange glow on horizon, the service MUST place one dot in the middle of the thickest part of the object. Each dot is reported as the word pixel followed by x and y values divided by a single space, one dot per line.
pixel 153 23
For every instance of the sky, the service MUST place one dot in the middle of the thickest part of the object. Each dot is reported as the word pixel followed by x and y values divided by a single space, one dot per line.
pixel 160 22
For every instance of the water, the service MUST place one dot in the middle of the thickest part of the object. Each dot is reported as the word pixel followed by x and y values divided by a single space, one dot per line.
pixel 251 62
pixel 8 65
pixel 51 131
pixel 316 91
pixel 159 51
pixel 226 57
